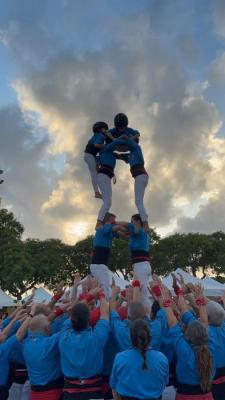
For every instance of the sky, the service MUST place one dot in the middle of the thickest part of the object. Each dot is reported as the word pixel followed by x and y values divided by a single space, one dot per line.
pixel 66 64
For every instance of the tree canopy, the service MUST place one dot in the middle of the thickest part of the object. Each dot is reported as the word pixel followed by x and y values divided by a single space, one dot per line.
pixel 27 263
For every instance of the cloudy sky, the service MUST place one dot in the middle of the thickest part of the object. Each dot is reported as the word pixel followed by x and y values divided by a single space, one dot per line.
pixel 66 64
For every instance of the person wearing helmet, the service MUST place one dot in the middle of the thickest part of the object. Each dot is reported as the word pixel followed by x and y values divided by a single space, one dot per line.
pixel 121 128
pixel 96 143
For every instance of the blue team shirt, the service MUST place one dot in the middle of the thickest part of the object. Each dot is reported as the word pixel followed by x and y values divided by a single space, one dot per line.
pixel 136 155
pixel 41 355
pixel 128 378
pixel 121 332
pixel 81 353
pixel 186 367
pixel 216 339
pixel 130 132
pixel 97 138
pixel 106 155
pixel 104 236
pixel 139 238
pixel 5 349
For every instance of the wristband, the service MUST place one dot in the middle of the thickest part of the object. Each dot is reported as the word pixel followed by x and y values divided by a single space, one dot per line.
pixel 167 303
pixel 87 297
pixel 58 312
pixel 180 292
pixel 136 283
pixel 101 295
pixel 57 297
pixel 176 289
pixel 200 301
pixel 123 293
pixel 156 291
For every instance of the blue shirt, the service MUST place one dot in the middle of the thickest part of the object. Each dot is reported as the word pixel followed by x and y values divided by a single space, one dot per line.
pixel 136 155
pixel 14 328
pixel 216 339
pixel 81 353
pixel 186 368
pixel 130 132
pixel 104 236
pixel 128 378
pixel 97 138
pixel 106 155
pixel 139 238
pixel 42 359
pixel 5 349
pixel 121 332
pixel 110 350
pixel 166 347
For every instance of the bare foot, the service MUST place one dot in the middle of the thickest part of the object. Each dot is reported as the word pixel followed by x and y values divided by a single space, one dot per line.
pixel 98 195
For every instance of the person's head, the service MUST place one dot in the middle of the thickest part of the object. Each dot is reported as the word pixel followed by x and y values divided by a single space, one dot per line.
pixel 155 308
pixel 136 311
pixel 140 338
pixel 216 313
pixel 100 127
pixel 80 317
pixel 136 220
pixel 109 218
pixel 40 324
pixel 121 122
pixel 197 336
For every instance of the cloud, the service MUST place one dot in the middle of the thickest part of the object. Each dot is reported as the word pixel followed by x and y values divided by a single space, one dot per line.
pixel 122 62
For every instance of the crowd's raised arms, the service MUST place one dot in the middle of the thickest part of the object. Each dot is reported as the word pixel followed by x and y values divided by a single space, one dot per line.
pixel 83 346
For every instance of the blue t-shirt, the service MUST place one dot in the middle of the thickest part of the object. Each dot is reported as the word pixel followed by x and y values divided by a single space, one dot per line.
pixel 128 131
pixel 97 138
pixel 186 367
pixel 5 349
pixel 107 156
pixel 81 353
pixel 121 332
pixel 41 355
pixel 139 238
pixel 136 155
pixel 128 377
pixel 104 236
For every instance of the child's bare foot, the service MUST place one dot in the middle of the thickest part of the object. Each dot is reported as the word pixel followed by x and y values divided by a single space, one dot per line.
pixel 98 195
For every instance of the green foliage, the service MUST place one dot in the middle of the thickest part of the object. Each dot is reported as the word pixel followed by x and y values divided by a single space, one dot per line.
pixel 24 264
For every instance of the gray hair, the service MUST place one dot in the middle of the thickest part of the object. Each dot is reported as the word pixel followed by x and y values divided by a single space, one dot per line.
pixel 136 311
pixel 216 313
pixel 196 334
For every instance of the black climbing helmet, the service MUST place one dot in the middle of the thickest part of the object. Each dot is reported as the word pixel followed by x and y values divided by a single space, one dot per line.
pixel 121 120
pixel 99 125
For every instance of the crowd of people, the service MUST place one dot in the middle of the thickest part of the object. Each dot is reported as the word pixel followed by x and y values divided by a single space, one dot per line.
pixel 81 346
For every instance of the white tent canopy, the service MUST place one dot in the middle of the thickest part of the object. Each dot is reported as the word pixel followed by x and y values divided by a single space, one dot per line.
pixel 5 300
pixel 211 286
pixel 41 295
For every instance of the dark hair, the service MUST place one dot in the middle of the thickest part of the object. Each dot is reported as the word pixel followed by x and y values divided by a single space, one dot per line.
pixel 80 317
pixel 155 308
pixel 197 336
pixel 108 216
pixel 136 311
pixel 121 120
pixel 137 218
pixel 98 126
pixel 140 337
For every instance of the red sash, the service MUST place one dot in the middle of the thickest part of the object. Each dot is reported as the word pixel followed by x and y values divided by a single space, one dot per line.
pixel 53 394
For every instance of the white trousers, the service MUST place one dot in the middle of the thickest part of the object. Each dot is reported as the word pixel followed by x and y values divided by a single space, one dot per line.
pixel 143 272
pixel 140 184
pixel 91 163
pixel 105 186
pixel 20 392
pixel 104 277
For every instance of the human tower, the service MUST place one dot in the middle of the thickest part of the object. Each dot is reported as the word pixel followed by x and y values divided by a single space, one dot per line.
pixel 105 147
